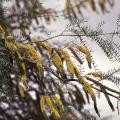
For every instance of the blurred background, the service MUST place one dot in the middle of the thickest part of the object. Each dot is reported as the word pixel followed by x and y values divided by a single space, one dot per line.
pixel 55 21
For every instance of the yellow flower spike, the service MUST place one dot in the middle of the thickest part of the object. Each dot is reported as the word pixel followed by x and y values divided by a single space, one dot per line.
pixel 85 84
pixel 96 74
pixel 89 90
pixel 87 54
pixel 75 54
pixel 89 60
pixel 1 29
pixel 24 76
pixel 50 104
pixel 33 56
pixel 10 46
pixel 21 90
pixel 19 56
pixel 56 59
pixel 29 53
pixel 43 44
pixel 57 100
pixel 57 62
pixel 20 46
pixel 83 49
pixel 2 32
pixel 78 74
pixel 69 63
pixel 9 38
pixel 42 104
pixel 67 6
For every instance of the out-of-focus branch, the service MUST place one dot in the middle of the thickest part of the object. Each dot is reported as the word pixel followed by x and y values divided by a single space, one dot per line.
pixel 91 80
pixel 74 35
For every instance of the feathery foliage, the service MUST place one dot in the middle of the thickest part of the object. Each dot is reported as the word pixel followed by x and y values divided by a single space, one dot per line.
pixel 36 75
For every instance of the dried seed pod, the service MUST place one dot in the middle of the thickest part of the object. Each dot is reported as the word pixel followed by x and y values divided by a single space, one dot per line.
pixel 69 63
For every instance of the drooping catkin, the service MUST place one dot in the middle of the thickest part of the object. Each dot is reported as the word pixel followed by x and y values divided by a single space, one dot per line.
pixel 85 84
pixel 75 54
pixel 21 46
pixel 24 75
pixel 9 38
pixel 42 104
pixel 33 56
pixel 67 6
pixel 69 63
pixel 96 74
pixel 78 75
pixel 57 62
pixel 89 60
pixel 1 29
pixel 50 104
pixel 57 100
pixel 83 49
pixel 2 32
pixel 29 53
pixel 102 6
pixel 43 44
pixel 87 54
pixel 21 90
pixel 89 89
pixel 12 47
pixel 56 59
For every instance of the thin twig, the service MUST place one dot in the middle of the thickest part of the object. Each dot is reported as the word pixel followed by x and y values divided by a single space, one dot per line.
pixel 100 84
pixel 88 78
pixel 73 35
pixel 106 93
